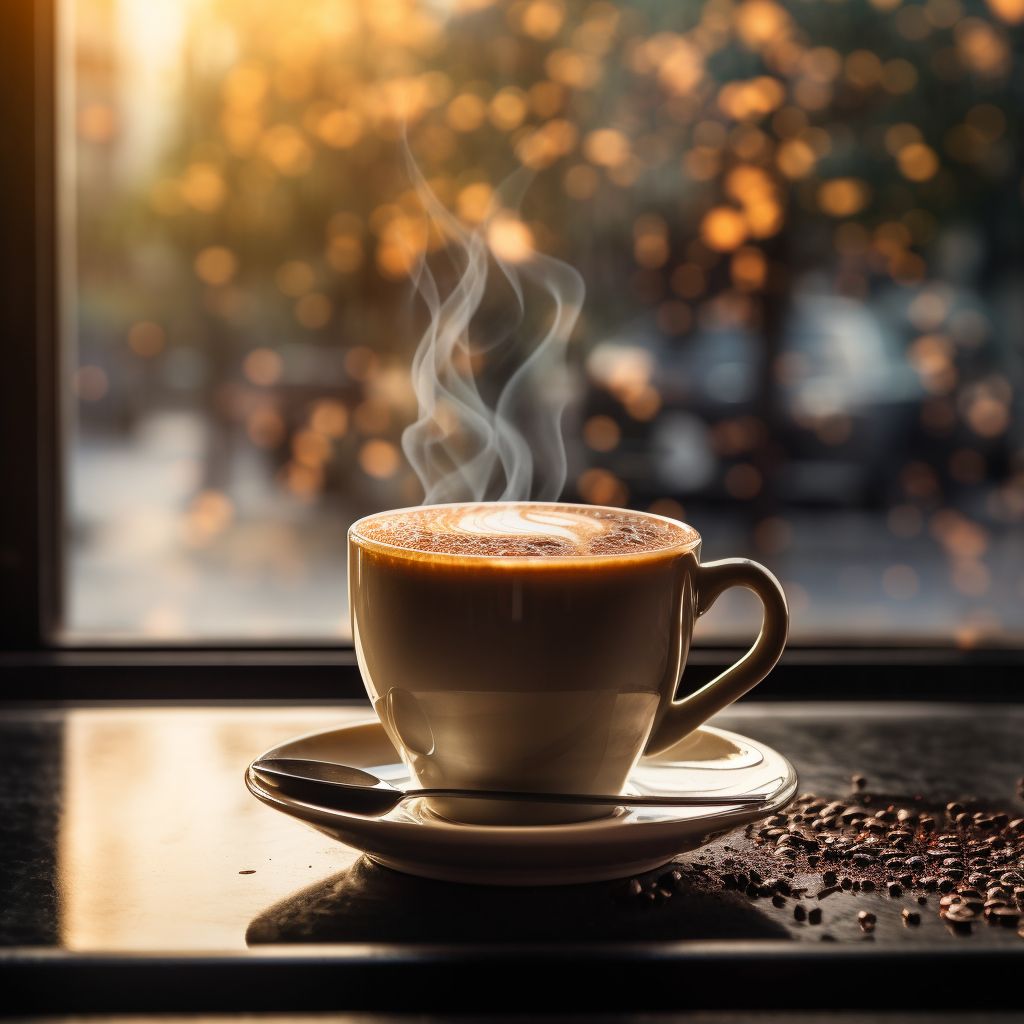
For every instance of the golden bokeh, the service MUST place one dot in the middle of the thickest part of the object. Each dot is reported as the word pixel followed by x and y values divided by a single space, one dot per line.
pixel 262 367
pixel 215 265
pixel 379 459
pixel 723 229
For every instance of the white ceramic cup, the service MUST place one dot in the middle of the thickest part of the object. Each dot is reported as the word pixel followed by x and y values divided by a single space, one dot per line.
pixel 541 673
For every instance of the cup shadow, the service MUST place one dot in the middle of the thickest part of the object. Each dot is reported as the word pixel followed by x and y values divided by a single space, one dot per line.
pixel 371 903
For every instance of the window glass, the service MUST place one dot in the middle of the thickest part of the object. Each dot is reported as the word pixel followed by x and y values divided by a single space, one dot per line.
pixel 799 227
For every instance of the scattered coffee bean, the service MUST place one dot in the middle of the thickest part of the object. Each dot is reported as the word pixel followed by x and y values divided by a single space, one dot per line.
pixel 867 885
pixel 846 883
pixel 829 890
pixel 799 913
pixel 814 915
pixel 750 889
pixel 858 782
pixel 778 900
pixel 922 899
pixel 946 885
pixel 953 809
pixel 830 877
pixel 895 889
pixel 1006 916
pixel 911 917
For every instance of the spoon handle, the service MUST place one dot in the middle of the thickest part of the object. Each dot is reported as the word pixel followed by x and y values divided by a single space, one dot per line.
pixel 624 800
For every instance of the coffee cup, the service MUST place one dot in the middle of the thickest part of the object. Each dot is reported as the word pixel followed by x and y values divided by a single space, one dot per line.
pixel 537 647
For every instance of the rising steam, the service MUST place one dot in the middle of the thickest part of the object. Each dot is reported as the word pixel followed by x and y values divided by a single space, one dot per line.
pixel 464 447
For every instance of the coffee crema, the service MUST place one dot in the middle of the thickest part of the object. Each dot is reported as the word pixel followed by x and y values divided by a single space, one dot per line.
pixel 517 530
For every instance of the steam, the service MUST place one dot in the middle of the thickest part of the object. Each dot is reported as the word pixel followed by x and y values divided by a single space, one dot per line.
pixel 464 447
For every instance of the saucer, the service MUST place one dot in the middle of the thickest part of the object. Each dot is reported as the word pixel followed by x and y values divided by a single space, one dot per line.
pixel 629 841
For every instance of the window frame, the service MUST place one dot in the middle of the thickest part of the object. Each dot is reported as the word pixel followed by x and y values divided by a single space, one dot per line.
pixel 35 664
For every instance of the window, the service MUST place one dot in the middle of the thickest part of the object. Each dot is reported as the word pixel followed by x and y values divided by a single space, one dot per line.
pixel 799 227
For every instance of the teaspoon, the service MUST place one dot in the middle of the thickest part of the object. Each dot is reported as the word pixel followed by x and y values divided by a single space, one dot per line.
pixel 343 788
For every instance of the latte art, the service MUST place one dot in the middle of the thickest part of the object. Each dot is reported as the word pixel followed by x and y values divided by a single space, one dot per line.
pixel 518 530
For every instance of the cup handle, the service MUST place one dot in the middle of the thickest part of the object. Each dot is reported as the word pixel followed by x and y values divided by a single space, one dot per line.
pixel 681 717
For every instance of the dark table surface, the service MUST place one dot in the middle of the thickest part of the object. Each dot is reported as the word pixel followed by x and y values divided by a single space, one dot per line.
pixel 125 829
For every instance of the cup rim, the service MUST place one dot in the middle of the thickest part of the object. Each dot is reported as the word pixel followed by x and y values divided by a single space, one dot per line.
pixel 691 542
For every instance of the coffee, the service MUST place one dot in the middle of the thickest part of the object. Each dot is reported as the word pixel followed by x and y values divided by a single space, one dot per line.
pixel 524 531
pixel 530 646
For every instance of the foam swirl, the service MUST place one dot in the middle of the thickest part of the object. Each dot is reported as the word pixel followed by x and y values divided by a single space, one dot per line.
pixel 520 529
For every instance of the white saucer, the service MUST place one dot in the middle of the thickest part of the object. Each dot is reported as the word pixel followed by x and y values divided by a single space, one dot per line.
pixel 629 841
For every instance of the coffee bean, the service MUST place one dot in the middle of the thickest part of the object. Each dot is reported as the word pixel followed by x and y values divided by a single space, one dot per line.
pixel 1011 878
pixel 670 880
pixel 858 782
pixel 828 891
pixel 927 824
pixel 867 885
pixel 1006 916
pixel 755 876
pixel 906 814
pixel 911 917
pixel 959 914
pixel 915 863
pixel 742 881
pixel 1017 825
pixel 953 809
pixel 895 889
pixel 946 885
pixel 779 900
pixel 750 889
pixel 780 885
pixel 866 915
pixel 929 882
pixel 814 915
pixel 1000 820
pixel 812 860
pixel 922 899
pixel 799 913
pixel 997 892
pixel 846 883
pixel 829 878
